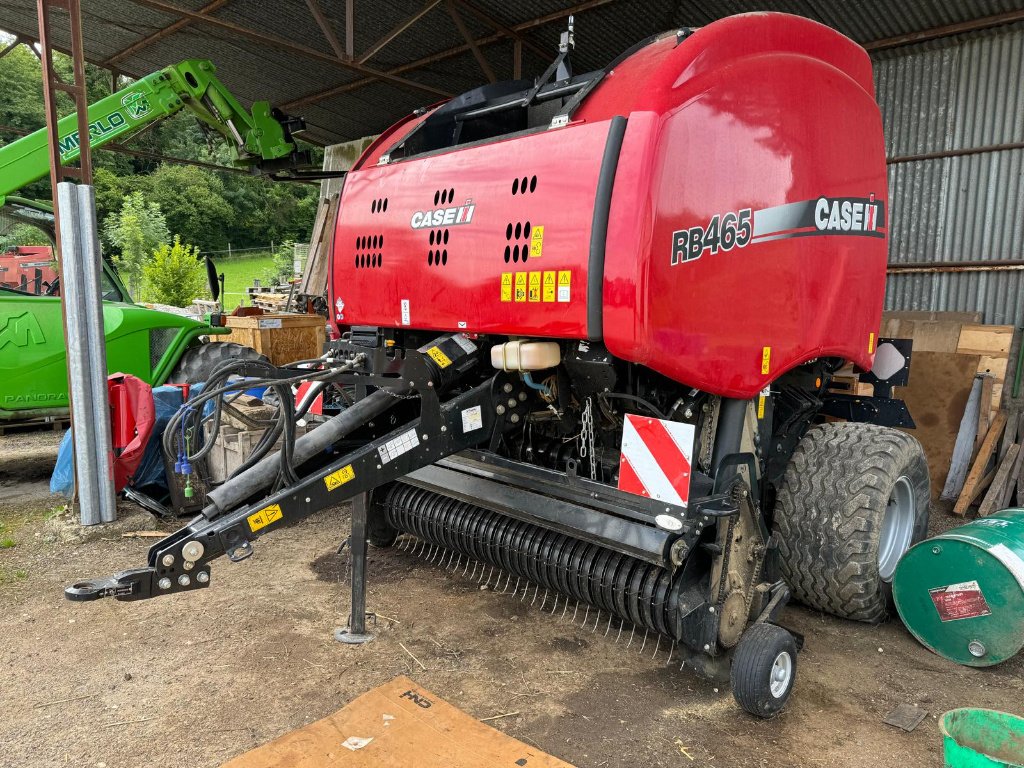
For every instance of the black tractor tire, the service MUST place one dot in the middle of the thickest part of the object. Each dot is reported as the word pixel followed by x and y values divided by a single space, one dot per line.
pixel 763 669
pixel 197 363
pixel 853 499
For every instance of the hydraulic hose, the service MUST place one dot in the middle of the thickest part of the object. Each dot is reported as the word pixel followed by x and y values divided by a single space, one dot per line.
pixel 263 474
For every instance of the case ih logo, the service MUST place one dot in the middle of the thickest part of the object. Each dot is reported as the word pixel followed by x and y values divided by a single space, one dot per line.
pixel 443 217
pixel 846 214
pixel 822 216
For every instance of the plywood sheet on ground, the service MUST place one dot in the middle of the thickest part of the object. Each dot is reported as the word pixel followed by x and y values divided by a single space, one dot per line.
pixel 940 383
pixel 408 726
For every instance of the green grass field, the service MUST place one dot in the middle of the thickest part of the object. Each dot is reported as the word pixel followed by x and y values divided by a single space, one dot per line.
pixel 239 272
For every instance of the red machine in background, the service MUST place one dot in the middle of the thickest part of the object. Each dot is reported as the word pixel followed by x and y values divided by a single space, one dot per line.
pixel 27 268
pixel 588 326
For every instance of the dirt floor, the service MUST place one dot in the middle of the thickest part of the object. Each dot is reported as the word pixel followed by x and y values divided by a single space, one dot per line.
pixel 195 679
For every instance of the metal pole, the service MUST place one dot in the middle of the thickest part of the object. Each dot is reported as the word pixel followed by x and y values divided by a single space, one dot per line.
pixel 86 354
pixel 355 633
pixel 92 275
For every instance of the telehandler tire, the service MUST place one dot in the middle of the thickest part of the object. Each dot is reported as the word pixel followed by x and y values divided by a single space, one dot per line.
pixel 199 362
pixel 853 500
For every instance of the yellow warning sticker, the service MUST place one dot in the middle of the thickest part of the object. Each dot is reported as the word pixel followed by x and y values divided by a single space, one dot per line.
pixel 871 343
pixel 535 286
pixel 550 279
pixel 265 517
pixel 564 285
pixel 339 478
pixel 439 357
pixel 537 242
pixel 762 397
pixel 520 286
pixel 766 360
pixel 506 286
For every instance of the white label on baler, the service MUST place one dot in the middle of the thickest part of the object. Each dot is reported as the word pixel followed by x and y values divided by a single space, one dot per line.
pixel 472 419
pixel 405 312
pixel 394 448
pixel 463 341
pixel 1010 559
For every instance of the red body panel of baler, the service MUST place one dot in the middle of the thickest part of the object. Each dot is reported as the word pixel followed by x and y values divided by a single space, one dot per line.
pixel 745 227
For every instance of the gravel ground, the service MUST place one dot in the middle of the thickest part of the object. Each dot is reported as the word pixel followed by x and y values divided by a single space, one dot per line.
pixel 194 679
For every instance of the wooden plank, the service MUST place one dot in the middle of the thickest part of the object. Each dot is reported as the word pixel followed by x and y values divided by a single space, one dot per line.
pixel 963 449
pixel 936 336
pixel 1009 434
pixel 1020 484
pixel 959 317
pixel 1008 493
pixel 972 486
pixel 315 243
pixel 314 278
pixel 936 396
pixel 984 414
pixel 1007 471
pixel 993 340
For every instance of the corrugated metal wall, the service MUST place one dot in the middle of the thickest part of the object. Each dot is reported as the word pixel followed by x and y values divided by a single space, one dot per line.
pixel 955 94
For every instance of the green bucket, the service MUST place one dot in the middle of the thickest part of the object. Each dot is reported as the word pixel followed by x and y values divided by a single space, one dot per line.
pixel 982 738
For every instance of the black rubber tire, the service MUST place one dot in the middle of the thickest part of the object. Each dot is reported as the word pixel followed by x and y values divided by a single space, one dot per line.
pixel 379 532
pixel 752 665
pixel 198 362
pixel 829 513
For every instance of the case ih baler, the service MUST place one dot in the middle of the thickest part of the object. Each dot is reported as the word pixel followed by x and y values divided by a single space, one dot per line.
pixel 590 322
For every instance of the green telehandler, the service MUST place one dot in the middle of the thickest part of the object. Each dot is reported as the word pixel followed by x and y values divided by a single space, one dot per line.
pixel 157 347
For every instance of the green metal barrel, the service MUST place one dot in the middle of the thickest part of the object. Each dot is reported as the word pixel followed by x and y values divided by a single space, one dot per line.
pixel 962 593
pixel 982 738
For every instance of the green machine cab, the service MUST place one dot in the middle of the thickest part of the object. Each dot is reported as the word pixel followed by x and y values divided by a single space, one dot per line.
pixel 155 346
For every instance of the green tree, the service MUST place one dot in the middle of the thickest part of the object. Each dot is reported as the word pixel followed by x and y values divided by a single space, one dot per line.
pixel 283 266
pixel 174 275
pixel 192 200
pixel 136 231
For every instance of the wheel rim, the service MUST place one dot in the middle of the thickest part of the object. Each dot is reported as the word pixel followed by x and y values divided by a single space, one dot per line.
pixel 782 674
pixel 897 527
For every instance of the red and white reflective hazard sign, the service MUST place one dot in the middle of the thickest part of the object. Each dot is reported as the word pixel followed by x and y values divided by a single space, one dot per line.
pixel 656 458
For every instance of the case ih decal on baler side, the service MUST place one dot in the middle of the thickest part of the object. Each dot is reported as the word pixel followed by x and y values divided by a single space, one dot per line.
pixel 823 216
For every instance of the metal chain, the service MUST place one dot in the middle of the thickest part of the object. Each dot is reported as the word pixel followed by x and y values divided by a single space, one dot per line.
pixel 587 437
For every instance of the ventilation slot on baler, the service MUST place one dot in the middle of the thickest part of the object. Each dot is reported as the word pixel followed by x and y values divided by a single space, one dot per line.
pixel 369 251
pixel 518 251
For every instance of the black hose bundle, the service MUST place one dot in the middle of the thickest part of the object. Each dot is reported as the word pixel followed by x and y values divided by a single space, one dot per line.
pixel 228 382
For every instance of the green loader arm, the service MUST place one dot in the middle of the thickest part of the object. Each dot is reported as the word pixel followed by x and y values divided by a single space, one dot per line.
pixel 260 138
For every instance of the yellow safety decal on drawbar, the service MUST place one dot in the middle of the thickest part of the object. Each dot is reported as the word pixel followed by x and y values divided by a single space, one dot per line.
pixel 762 399
pixel 537 242
pixel 506 286
pixel 871 343
pixel 549 286
pixel 520 286
pixel 439 357
pixel 564 285
pixel 535 286
pixel 339 478
pixel 265 517
pixel 766 360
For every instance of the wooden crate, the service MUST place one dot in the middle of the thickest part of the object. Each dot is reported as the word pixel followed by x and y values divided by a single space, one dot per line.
pixel 282 338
